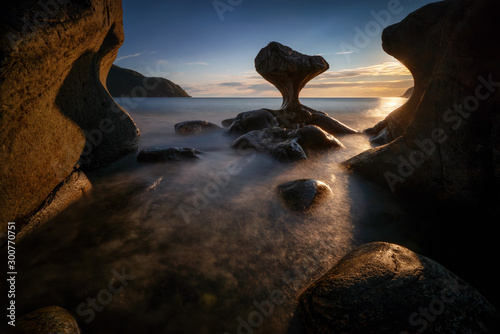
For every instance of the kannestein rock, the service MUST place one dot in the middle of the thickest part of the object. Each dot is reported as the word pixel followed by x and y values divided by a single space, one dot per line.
pixel 55 111
pixel 444 142
pixel 289 71
pixel 123 82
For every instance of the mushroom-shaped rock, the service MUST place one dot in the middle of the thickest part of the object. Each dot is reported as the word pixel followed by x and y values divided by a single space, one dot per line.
pixel 289 71
pixel 195 127
pixel 252 120
pixel 52 319
pixel 386 288
pixel 302 195
pixel 161 154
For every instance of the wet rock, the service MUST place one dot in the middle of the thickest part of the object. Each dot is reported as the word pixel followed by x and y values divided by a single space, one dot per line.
pixel 386 288
pixel 161 154
pixel 289 71
pixel 329 124
pixel 227 122
pixel 195 127
pixel 302 195
pixel 273 141
pixel 288 145
pixel 55 109
pixel 252 120
pixel 52 319
pixel 311 137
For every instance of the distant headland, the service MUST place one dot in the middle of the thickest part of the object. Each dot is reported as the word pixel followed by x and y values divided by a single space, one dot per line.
pixel 123 82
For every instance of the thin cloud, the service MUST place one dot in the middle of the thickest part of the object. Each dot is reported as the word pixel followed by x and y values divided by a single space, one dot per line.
pixel 129 56
pixel 389 68
pixel 230 84
pixel 197 63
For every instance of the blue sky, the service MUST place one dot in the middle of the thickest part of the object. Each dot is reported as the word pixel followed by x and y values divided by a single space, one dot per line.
pixel 208 46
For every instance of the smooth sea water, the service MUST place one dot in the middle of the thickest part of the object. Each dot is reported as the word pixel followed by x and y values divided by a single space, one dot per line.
pixel 205 247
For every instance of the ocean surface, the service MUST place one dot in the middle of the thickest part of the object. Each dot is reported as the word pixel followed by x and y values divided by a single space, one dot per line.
pixel 205 247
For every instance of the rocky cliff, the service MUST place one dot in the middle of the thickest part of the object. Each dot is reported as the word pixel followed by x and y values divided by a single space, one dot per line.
pixel 444 142
pixel 123 82
pixel 56 115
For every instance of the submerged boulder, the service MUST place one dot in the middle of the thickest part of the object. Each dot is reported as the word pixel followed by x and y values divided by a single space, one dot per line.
pixel 386 288
pixel 302 195
pixel 55 109
pixel 162 154
pixel 195 127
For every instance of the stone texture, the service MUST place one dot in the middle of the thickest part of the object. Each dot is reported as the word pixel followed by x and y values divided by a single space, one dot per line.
pixel 443 142
pixel 55 109
pixel 161 154
pixel 303 195
pixel 52 319
pixel 195 127
pixel 386 288
pixel 71 190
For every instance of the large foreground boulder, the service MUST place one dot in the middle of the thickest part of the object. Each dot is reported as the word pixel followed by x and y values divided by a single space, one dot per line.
pixel 444 142
pixel 55 109
pixel 52 319
pixel 385 288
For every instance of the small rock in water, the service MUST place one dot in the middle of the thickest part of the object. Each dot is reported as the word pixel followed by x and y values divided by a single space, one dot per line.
pixel 52 319
pixel 159 154
pixel 195 127
pixel 252 120
pixel 311 137
pixel 302 195
pixel 227 122
pixel 386 288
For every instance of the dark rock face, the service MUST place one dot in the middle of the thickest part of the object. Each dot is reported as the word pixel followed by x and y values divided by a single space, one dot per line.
pixel 444 142
pixel 195 127
pixel 302 195
pixel 160 154
pixel 386 288
pixel 252 120
pixel 55 110
pixel 52 319
pixel 122 82
pixel 289 71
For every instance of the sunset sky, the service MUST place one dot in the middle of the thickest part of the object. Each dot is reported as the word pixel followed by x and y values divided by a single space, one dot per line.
pixel 208 47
